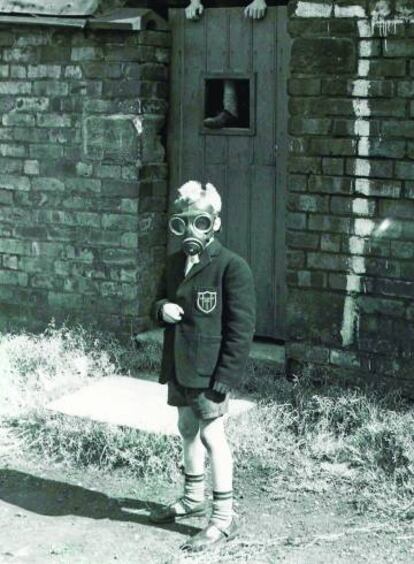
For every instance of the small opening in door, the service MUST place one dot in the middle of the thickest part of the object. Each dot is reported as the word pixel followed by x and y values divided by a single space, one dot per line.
pixel 227 103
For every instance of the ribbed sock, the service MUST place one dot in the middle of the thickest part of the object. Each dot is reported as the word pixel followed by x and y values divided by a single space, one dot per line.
pixel 194 493
pixel 222 509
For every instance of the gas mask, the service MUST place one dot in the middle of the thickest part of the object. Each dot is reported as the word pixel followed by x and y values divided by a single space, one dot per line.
pixel 195 226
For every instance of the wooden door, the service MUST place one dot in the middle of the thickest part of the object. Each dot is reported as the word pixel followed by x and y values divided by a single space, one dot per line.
pixel 247 164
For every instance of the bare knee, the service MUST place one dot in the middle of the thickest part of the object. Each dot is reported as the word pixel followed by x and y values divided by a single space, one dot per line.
pixel 212 433
pixel 188 424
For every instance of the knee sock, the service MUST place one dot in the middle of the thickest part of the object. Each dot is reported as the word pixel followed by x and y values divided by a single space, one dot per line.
pixel 193 493
pixel 222 509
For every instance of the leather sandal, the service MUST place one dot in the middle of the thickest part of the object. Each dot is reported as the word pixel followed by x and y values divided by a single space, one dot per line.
pixel 168 513
pixel 211 537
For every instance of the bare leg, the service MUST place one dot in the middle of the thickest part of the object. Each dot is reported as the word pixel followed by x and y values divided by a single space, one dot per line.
pixel 194 451
pixel 230 97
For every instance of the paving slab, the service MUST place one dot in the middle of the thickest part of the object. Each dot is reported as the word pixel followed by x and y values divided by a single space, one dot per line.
pixel 129 402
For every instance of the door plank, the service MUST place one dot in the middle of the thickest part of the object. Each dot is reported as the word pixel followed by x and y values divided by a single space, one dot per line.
pixel 263 246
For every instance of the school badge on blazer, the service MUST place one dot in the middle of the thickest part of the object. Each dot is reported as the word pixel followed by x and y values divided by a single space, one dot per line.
pixel 206 301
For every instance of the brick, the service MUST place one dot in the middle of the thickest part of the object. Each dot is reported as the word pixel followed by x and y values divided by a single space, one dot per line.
pixel 304 86
pixel 403 209
pixel 14 247
pixel 302 240
pixel 369 167
pixel 10 278
pixel 44 71
pixel 304 164
pixel 402 249
pixel 394 288
pixel 296 220
pixel 57 54
pixel 404 169
pixel 10 166
pixel 329 223
pixel 395 107
pixel 91 185
pixel 373 305
pixel 65 300
pixel 406 89
pixel 310 126
pixel 6 197
pixel 119 221
pixel 90 88
pixel 87 54
pixel 30 135
pixel 342 127
pixel 4 71
pixel 398 48
pixel 307 27
pixel 20 54
pixel 333 166
pixel 390 149
pixel 6 38
pixel 51 88
pixel 308 203
pixel 107 171
pixel 122 189
pixel 297 182
pixel 317 106
pixel 330 184
pixel 119 256
pixel 103 70
pixel 304 352
pixel 327 261
pixel 43 151
pixel 146 71
pixel 15 88
pixel 9 182
pixel 13 119
pixel 384 188
pixel 32 39
pixel 129 240
pixel 344 358
pixel 323 55
pixel 73 71
pixel 296 259
pixel 53 120
pixel 387 67
pixel 330 243
pixel 332 146
pixel 394 128
pixel 32 104
pixel 18 71
pixel 48 184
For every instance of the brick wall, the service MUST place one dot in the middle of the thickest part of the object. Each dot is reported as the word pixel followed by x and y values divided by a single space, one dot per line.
pixel 82 175
pixel 351 188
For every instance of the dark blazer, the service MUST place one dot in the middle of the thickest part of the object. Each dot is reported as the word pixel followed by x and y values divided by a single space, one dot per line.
pixel 212 341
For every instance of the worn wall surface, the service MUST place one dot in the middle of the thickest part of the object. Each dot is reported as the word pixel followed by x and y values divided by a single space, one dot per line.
pixel 351 188
pixel 83 175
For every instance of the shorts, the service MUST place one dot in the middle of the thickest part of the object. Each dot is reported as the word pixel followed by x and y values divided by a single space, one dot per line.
pixel 205 403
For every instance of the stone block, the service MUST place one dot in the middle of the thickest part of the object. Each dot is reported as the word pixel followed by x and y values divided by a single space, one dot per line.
pixel 115 137
pixel 15 88
pixel 53 120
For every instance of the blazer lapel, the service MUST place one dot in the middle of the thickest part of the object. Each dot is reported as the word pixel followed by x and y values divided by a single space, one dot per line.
pixel 209 253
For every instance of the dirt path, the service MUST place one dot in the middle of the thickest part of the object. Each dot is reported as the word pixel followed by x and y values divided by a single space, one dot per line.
pixel 52 515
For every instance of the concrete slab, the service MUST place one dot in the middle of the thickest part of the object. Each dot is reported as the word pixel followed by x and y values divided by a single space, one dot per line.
pixel 130 402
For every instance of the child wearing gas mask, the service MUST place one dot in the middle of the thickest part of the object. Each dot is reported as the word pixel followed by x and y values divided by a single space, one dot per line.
pixel 207 306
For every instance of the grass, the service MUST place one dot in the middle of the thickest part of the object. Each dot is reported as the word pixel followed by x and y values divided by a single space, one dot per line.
pixel 300 437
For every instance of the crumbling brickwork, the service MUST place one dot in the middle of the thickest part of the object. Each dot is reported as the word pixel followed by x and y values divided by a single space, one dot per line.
pixel 83 176
pixel 351 188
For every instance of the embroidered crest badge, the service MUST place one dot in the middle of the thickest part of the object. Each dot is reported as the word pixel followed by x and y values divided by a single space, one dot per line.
pixel 206 301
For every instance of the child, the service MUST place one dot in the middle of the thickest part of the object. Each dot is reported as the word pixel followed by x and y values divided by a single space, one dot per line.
pixel 207 306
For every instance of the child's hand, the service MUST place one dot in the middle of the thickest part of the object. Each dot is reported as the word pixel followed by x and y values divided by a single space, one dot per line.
pixel 256 9
pixel 172 313
pixel 194 10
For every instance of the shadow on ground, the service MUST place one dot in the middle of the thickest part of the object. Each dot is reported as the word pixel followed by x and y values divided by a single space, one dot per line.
pixel 53 498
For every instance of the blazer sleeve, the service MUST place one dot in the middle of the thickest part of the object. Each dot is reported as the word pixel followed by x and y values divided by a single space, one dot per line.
pixel 238 324
pixel 160 299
